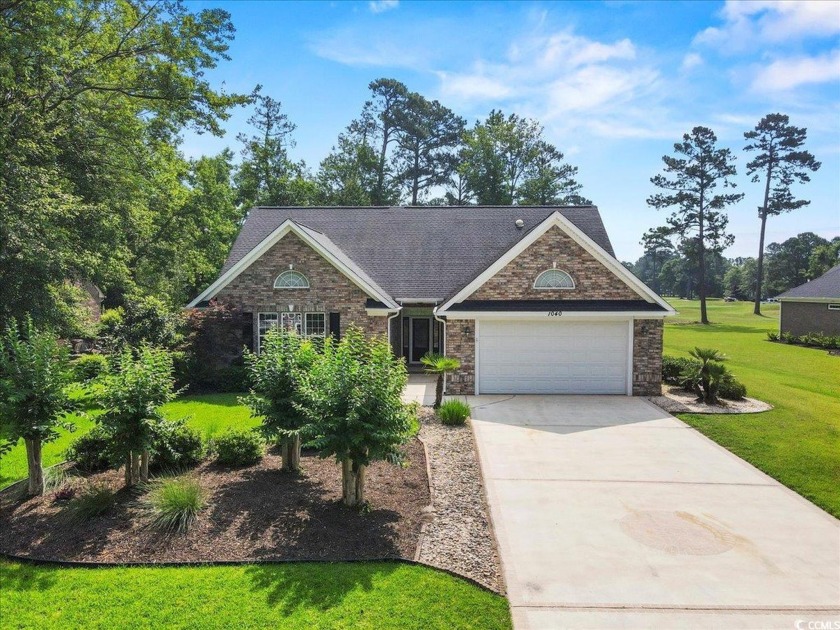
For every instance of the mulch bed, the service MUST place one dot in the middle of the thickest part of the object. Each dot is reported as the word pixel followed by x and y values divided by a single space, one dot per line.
pixel 253 513
pixel 677 400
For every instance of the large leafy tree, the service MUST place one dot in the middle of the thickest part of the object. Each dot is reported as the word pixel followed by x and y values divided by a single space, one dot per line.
pixel 690 181
pixel 267 175
pixel 780 162
pixel 658 248
pixel 505 160
pixel 93 93
pixel 788 262
pixel 275 395
pixel 33 402
pixel 353 400
pixel 348 175
pixel 428 135
pixel 132 396
pixel 823 258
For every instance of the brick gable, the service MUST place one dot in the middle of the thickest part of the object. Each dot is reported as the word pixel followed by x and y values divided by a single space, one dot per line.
pixel 593 280
pixel 330 290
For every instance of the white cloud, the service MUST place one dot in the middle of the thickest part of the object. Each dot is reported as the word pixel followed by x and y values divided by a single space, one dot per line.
pixel 786 74
pixel 747 24
pixel 380 6
pixel 691 60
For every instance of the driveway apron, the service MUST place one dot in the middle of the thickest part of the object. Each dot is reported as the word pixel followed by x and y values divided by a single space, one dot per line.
pixel 610 513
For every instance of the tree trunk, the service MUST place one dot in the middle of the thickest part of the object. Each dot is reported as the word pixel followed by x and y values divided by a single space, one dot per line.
pixel 759 267
pixel 439 391
pixel 144 465
pixel 127 476
pixel 36 470
pixel 290 451
pixel 701 261
pixel 353 483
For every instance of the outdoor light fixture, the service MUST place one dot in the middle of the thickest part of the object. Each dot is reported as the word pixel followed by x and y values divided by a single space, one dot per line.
pixel 291 307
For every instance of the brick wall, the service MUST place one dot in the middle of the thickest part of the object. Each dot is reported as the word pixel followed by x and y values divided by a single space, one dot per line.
pixel 801 318
pixel 592 280
pixel 647 357
pixel 330 290
pixel 460 343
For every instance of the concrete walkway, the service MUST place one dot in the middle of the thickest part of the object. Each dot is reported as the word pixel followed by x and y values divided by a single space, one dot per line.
pixel 421 389
pixel 610 513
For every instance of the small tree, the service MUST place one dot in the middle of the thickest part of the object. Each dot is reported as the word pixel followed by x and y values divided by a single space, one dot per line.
pixel 705 379
pixel 33 403
pixel 353 400
pixel 440 365
pixel 132 395
pixel 275 376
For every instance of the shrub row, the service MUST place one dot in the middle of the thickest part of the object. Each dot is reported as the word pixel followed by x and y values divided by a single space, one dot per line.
pixel 813 340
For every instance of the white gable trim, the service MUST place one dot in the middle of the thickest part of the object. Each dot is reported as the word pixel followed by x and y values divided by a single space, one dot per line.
pixel 272 239
pixel 558 220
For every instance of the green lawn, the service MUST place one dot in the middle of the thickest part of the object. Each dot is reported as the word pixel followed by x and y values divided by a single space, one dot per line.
pixel 357 595
pixel 207 413
pixel 798 442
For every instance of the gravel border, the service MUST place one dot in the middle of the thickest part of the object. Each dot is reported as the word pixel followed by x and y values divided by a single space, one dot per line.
pixel 457 535
pixel 676 400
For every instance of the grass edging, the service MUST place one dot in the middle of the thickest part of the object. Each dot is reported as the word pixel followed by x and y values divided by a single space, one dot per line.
pixel 84 564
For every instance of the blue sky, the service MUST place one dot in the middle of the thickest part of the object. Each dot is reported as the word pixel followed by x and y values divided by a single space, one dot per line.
pixel 614 83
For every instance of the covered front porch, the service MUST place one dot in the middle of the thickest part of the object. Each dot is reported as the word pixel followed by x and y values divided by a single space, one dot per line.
pixel 414 333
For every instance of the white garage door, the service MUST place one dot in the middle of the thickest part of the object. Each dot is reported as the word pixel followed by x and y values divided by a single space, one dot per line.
pixel 552 357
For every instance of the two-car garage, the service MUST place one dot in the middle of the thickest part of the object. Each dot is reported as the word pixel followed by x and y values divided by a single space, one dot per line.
pixel 553 356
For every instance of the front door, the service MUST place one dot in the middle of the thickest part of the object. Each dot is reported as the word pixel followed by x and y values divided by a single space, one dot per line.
pixel 421 338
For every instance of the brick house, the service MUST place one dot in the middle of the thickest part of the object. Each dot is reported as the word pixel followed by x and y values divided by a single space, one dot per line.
pixel 813 307
pixel 530 299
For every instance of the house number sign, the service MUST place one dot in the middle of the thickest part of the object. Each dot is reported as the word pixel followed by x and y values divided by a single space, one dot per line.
pixel 555 313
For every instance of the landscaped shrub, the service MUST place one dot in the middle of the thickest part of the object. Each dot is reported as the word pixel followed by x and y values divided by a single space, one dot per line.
pixel 706 379
pixel 274 395
pixel 731 388
pixel 89 367
pixel 91 502
pixel 440 365
pixel 814 340
pixel 454 412
pixel 175 446
pixel 92 451
pixel 173 504
pixel 673 368
pixel 238 447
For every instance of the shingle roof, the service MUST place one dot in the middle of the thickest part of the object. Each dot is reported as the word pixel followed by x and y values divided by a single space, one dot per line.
pixel 417 252
pixel 826 286
pixel 538 306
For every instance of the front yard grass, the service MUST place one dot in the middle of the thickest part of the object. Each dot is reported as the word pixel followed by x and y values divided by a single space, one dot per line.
pixel 797 442
pixel 208 413
pixel 357 595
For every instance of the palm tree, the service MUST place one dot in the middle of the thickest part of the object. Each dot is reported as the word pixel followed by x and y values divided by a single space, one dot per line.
pixel 709 374
pixel 440 365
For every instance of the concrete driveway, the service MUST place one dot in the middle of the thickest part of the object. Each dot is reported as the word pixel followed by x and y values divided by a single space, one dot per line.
pixel 610 513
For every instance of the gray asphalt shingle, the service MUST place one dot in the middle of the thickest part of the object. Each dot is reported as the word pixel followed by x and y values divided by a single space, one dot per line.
pixel 417 252
pixel 826 286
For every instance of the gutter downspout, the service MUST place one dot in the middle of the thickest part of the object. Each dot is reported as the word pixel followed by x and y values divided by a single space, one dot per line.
pixel 442 339
pixel 388 325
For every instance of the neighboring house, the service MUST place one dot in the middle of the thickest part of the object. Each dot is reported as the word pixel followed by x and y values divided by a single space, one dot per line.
pixel 531 300
pixel 813 307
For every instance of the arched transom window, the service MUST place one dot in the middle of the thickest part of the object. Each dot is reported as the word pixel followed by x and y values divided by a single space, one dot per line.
pixel 554 279
pixel 291 280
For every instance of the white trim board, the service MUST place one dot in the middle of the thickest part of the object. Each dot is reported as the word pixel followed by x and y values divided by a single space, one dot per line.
pixel 558 220
pixel 272 239
pixel 576 315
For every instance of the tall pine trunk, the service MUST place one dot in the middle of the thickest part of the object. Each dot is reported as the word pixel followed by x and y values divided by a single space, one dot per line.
pixel 353 483
pixel 36 470
pixel 290 452
pixel 701 260
pixel 759 268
